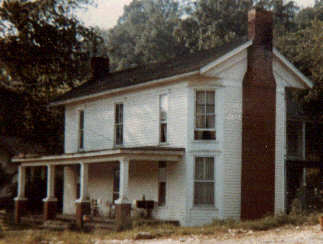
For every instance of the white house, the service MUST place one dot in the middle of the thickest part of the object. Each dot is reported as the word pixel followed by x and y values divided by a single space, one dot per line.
pixel 191 134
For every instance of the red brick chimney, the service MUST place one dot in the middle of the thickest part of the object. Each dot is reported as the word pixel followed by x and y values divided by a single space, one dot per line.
pixel 100 67
pixel 258 120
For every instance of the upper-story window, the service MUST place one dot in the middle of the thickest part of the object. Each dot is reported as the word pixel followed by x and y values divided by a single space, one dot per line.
pixel 204 115
pixel 118 124
pixel 163 112
pixel 81 129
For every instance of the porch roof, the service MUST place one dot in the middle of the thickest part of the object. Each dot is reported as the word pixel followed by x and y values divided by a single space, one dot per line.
pixel 149 153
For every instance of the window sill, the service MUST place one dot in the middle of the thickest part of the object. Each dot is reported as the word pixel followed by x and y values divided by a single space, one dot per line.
pixel 205 141
pixel 205 208
pixel 161 144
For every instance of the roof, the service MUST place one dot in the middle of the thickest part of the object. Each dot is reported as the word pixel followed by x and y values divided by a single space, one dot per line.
pixel 151 153
pixel 146 73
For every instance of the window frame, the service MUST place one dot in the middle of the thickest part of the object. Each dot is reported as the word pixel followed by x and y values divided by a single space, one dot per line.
pixel 117 124
pixel 205 90
pixel 81 131
pixel 160 121
pixel 206 205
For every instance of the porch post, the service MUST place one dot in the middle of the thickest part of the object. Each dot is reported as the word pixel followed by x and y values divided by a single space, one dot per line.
pixel 20 200
pixel 123 205
pixel 83 203
pixel 50 202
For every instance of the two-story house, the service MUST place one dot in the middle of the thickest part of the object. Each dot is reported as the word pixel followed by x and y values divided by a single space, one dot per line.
pixel 203 136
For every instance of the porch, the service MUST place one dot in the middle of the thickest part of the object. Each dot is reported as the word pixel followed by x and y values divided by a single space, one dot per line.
pixel 98 182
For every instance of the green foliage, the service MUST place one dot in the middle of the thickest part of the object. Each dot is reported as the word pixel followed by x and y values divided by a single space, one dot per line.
pixel 304 48
pixel 44 50
pixel 144 34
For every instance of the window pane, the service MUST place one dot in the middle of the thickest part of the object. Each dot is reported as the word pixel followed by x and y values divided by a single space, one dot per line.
pixel 163 132
pixel 199 169
pixel 209 169
pixel 163 116
pixel 119 113
pixel 81 129
pixel 210 109
pixel 210 97
pixel 164 103
pixel 200 109
pixel 200 121
pixel 204 193
pixel 210 121
pixel 119 134
pixel 200 97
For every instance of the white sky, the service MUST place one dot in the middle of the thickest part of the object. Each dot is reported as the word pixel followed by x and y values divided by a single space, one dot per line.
pixel 106 12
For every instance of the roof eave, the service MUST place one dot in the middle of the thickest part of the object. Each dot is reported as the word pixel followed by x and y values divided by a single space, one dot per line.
pixel 122 89
pixel 292 68
pixel 225 57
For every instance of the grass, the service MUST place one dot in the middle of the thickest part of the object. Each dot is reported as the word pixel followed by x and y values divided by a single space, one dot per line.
pixel 217 228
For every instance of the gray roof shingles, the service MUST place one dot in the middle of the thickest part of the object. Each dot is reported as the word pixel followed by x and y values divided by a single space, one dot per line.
pixel 146 73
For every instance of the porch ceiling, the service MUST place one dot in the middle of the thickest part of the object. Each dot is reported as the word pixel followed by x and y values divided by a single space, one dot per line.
pixel 110 155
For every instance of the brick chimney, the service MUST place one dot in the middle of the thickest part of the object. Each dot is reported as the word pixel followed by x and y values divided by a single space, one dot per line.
pixel 100 67
pixel 258 120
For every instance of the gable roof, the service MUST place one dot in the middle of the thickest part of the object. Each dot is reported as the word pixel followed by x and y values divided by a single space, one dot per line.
pixel 200 62
pixel 150 72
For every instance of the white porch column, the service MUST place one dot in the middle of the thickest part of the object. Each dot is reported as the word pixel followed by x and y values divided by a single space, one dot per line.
pixel 84 179
pixel 21 183
pixel 69 192
pixel 124 179
pixel 50 183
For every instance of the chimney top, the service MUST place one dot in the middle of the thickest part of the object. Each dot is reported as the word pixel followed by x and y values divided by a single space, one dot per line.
pixel 100 67
pixel 260 27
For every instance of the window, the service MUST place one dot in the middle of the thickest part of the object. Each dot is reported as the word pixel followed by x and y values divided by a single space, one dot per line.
pixel 119 124
pixel 204 181
pixel 81 129
pixel 204 115
pixel 163 109
pixel 162 184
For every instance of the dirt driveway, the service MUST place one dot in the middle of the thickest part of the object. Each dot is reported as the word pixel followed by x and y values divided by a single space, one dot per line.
pixel 286 235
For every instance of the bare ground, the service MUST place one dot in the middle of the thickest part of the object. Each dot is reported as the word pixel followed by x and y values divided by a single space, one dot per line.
pixel 286 235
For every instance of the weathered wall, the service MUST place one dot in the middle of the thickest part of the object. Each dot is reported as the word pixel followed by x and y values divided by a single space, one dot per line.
pixel 141 120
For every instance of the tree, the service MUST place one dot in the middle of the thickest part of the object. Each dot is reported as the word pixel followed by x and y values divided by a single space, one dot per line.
pixel 212 23
pixel 43 47
pixel 44 50
pixel 144 34
pixel 304 48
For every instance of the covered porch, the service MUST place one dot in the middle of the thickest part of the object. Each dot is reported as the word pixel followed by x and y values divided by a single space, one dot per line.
pixel 97 181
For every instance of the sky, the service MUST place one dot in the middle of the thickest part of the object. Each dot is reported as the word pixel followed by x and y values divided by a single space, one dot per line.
pixel 105 13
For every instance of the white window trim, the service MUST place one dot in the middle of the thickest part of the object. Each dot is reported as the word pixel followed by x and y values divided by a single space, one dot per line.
pixel 205 206
pixel 195 90
pixel 159 119
pixel 115 124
